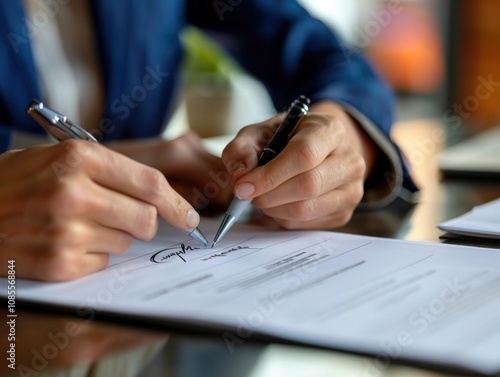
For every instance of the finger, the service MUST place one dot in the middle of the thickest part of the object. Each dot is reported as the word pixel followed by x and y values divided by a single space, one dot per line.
pixel 305 151
pixel 328 176
pixel 106 240
pixel 112 170
pixel 308 185
pixel 82 198
pixel 124 213
pixel 39 264
pixel 63 266
pixel 242 153
pixel 63 235
pixel 122 174
pixel 335 206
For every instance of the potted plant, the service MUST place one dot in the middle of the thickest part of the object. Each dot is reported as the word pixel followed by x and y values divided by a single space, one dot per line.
pixel 208 91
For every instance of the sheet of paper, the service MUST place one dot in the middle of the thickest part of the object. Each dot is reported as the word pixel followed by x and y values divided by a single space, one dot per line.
pixel 392 299
pixel 483 221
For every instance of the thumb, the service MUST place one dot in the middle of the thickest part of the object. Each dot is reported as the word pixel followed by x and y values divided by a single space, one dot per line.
pixel 242 154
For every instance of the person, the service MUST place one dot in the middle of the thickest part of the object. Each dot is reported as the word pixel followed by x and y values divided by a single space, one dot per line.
pixel 114 68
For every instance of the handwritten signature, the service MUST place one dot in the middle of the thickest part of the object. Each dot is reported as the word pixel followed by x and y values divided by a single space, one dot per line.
pixel 224 253
pixel 161 257
pixel 166 255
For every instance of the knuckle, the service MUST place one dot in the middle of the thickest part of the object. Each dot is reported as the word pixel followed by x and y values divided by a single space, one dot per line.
pixel 304 210
pixel 269 178
pixel 357 195
pixel 147 222
pixel 263 202
pixel 124 243
pixel 154 182
pixel 67 145
pixel 76 152
pixel 59 265
pixel 359 165
pixel 343 218
pixel 62 236
pixel 307 154
pixel 63 199
pixel 72 156
pixel 243 136
pixel 289 224
pixel 352 196
pixel 245 130
pixel 310 184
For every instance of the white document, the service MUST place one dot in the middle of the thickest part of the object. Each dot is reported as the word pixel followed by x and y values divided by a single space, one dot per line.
pixel 483 221
pixel 392 299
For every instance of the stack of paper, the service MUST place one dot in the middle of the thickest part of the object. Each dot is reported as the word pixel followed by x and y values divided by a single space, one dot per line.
pixel 483 221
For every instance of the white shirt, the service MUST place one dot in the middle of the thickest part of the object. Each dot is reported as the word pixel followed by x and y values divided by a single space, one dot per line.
pixel 66 59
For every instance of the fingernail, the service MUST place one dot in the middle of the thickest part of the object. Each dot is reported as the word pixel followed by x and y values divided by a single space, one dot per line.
pixel 193 219
pixel 235 167
pixel 244 190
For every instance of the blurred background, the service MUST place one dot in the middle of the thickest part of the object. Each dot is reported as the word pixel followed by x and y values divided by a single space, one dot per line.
pixel 440 56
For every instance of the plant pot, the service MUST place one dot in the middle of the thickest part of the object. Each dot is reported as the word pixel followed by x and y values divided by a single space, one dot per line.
pixel 208 105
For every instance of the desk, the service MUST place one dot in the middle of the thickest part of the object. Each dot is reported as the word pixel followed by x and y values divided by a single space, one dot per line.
pixel 54 344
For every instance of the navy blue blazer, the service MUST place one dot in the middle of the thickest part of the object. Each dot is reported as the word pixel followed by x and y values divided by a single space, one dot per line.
pixel 276 41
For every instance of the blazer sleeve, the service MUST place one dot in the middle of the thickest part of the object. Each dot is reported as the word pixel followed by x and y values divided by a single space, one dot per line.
pixel 293 53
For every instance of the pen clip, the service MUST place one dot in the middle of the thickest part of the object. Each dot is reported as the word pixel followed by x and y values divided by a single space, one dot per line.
pixel 57 124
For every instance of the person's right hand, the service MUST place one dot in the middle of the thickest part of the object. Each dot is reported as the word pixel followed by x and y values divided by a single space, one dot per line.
pixel 64 207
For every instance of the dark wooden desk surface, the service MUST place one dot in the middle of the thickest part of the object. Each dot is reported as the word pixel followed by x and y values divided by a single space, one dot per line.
pixel 48 345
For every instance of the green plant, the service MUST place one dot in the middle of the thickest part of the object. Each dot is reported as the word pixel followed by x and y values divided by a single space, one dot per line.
pixel 204 59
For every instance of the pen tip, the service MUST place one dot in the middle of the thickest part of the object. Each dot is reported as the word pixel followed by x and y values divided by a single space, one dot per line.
pixel 197 236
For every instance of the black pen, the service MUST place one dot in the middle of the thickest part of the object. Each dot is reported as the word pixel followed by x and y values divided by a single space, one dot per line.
pixel 60 127
pixel 278 142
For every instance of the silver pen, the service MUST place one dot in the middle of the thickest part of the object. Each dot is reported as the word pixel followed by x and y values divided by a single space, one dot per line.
pixel 278 142
pixel 62 128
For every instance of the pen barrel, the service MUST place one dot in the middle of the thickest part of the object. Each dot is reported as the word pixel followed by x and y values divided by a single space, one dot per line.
pixel 284 131
pixel 237 207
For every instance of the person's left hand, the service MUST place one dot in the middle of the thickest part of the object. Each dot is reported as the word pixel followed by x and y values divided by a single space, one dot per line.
pixel 199 176
pixel 316 181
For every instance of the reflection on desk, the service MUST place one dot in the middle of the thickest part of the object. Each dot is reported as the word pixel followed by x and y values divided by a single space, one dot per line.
pixel 56 345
